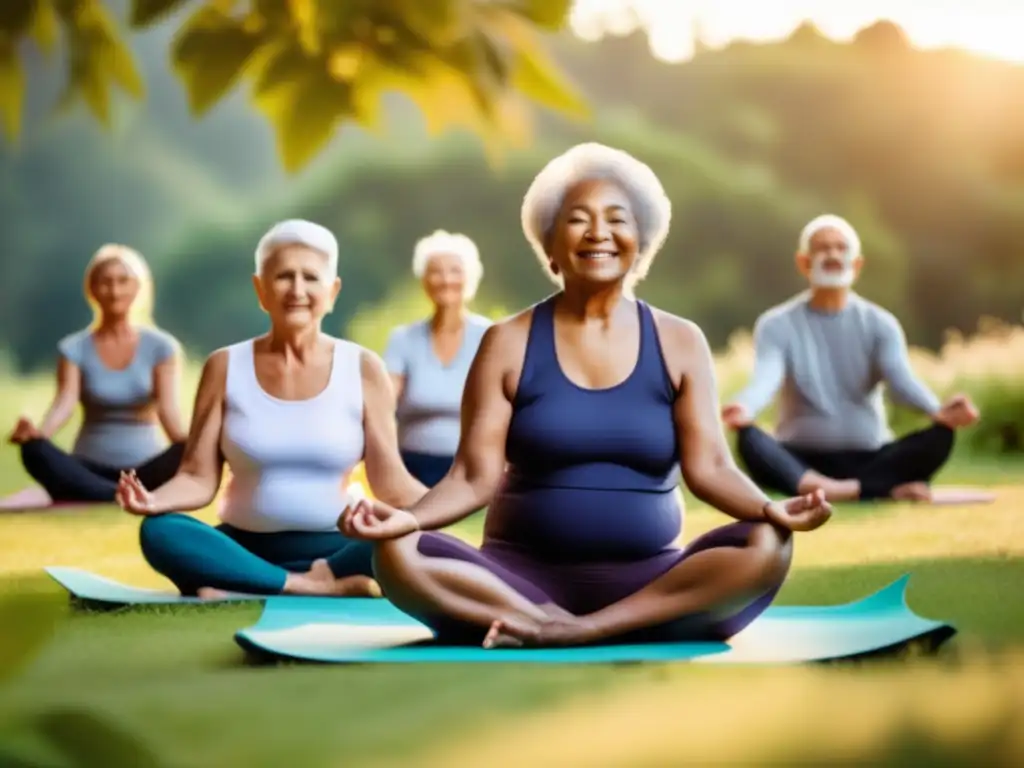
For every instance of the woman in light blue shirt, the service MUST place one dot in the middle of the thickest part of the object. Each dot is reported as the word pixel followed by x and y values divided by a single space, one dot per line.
pixel 429 360
pixel 125 374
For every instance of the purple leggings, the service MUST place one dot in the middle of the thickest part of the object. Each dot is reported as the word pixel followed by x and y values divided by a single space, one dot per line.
pixel 583 588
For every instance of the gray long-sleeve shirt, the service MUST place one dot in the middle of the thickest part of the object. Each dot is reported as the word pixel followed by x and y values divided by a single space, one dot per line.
pixel 829 369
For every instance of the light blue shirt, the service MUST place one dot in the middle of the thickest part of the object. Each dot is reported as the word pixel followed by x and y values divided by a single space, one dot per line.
pixel 828 370
pixel 428 410
pixel 112 433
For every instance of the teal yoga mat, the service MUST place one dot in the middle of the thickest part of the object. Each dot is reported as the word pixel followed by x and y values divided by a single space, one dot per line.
pixel 91 588
pixel 359 630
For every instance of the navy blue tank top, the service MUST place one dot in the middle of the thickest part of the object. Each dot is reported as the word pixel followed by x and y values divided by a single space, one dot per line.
pixel 591 472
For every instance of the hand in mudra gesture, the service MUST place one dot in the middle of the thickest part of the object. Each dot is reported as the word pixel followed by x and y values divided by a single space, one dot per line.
pixel 375 521
pixel 800 513
pixel 132 496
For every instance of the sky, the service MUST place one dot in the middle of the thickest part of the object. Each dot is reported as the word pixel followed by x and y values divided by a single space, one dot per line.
pixel 992 28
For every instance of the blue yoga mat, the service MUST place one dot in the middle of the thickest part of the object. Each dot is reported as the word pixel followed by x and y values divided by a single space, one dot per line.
pixel 91 588
pixel 359 630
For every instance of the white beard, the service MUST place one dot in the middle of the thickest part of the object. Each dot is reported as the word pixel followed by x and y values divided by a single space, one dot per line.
pixel 823 278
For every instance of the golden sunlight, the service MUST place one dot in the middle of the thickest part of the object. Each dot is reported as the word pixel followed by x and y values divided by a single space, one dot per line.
pixel 993 28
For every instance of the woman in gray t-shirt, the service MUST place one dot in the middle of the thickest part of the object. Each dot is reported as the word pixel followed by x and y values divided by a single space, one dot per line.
pixel 126 377
pixel 429 360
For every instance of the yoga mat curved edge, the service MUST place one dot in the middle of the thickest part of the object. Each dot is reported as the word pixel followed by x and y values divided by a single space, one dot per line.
pixel 93 588
pixel 359 630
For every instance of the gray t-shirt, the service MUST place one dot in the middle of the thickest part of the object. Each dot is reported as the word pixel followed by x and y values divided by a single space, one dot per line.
pixel 829 369
pixel 429 409
pixel 112 433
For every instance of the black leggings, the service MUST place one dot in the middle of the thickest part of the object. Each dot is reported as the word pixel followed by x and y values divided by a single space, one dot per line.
pixel 70 478
pixel 913 458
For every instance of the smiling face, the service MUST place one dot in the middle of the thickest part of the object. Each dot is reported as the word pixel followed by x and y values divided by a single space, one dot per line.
pixel 444 280
pixel 113 287
pixel 828 261
pixel 595 238
pixel 295 287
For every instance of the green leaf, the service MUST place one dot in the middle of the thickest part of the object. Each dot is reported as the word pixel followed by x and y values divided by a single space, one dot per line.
pixel 278 66
pixel 145 13
pixel 45 26
pixel 305 112
pixel 12 89
pixel 550 15
pixel 28 621
pixel 210 52
pixel 117 61
pixel 538 78
pixel 87 739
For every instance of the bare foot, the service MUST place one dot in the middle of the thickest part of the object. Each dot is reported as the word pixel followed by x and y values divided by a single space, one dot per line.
pixel 320 580
pixel 912 492
pixel 29 498
pixel 210 593
pixel 560 628
pixel 499 637
pixel 835 490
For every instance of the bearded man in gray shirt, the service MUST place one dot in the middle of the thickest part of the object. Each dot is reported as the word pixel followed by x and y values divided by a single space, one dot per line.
pixel 827 353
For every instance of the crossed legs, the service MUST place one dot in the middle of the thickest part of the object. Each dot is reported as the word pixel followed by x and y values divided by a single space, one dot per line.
pixel 712 589
pixel 901 470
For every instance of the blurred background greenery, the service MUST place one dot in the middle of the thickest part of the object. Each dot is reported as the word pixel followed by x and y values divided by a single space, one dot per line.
pixel 186 128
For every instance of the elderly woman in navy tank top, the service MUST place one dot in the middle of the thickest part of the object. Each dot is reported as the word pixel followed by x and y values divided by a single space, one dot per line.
pixel 292 413
pixel 429 360
pixel 579 414
pixel 125 373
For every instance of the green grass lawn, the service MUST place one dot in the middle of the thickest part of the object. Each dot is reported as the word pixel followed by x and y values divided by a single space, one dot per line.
pixel 176 678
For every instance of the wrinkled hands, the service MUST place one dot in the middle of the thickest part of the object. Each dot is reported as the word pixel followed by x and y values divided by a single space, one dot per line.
pixel 131 495
pixel 735 416
pixel 376 521
pixel 957 412
pixel 801 513
pixel 24 430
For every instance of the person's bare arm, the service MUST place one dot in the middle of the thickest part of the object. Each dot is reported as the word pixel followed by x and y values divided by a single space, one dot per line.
pixel 707 464
pixel 198 478
pixel 389 480
pixel 397 385
pixel 167 392
pixel 69 387
pixel 486 412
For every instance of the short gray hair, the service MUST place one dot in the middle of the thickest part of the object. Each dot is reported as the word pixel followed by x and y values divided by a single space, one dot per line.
pixel 591 161
pixel 298 232
pixel 829 221
pixel 457 245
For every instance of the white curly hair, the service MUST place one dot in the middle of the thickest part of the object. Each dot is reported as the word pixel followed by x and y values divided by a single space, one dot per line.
pixel 298 232
pixel 455 244
pixel 829 221
pixel 590 161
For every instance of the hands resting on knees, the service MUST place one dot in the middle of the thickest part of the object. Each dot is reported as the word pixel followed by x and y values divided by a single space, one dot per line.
pixel 24 430
pixel 132 496
pixel 376 521
pixel 957 412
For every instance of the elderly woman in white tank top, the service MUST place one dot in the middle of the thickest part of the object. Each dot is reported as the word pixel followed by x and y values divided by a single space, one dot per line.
pixel 292 413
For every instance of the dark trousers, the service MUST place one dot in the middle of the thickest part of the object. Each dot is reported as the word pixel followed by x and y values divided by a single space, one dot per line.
pixel 70 478
pixel 913 458
pixel 426 468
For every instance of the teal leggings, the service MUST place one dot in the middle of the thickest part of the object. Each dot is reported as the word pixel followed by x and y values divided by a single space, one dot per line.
pixel 193 554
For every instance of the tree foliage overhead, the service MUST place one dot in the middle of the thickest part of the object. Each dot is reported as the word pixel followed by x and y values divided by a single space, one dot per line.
pixel 309 65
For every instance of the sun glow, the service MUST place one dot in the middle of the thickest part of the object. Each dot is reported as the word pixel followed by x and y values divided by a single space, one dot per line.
pixel 993 28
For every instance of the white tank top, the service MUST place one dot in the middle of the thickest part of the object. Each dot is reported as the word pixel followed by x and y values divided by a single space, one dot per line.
pixel 290 458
